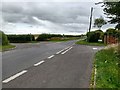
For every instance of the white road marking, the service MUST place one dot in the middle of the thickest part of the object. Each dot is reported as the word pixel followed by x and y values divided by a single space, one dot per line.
pixel 14 76
pixel 66 50
pixel 60 51
pixel 94 48
pixel 39 63
pixel 51 56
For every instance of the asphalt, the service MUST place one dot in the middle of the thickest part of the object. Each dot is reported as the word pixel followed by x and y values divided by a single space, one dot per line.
pixel 70 70
pixel 25 55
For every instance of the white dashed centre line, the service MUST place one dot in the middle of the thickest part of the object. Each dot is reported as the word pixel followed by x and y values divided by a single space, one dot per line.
pixel 51 56
pixel 39 63
pixel 14 76
pixel 60 51
pixel 66 50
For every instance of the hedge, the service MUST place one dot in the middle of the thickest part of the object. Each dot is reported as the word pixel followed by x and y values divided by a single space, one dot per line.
pixel 20 38
pixel 3 39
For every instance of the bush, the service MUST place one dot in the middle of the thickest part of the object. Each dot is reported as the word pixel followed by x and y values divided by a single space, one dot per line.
pixel 3 39
pixel 93 36
pixel 20 38
pixel 44 37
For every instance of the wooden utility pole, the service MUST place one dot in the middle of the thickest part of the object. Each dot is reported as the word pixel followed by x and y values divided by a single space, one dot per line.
pixel 90 18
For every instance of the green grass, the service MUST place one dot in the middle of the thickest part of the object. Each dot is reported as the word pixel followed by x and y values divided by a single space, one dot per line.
pixel 107 65
pixel 83 42
pixel 62 39
pixel 33 42
pixel 6 47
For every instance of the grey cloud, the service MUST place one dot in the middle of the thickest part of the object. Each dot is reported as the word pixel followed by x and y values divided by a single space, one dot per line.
pixel 57 13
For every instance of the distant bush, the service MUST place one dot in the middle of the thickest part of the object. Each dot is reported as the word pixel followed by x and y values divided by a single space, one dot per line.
pixel 3 39
pixel 44 37
pixel 20 38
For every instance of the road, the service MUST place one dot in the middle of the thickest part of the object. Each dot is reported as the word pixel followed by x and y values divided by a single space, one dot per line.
pixel 25 55
pixel 45 66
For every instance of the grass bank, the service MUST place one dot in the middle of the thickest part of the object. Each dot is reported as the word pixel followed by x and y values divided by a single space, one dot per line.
pixel 107 65
pixel 6 47
pixel 83 42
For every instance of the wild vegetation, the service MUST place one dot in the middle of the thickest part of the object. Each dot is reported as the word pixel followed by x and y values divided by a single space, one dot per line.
pixel 107 68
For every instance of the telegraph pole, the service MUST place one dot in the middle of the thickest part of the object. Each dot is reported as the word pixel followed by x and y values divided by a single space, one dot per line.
pixel 90 18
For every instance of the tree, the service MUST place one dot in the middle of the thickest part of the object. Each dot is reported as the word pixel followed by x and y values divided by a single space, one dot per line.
pixel 99 22
pixel 112 10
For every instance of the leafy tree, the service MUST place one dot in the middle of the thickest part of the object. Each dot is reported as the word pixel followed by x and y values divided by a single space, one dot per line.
pixel 99 22
pixel 112 10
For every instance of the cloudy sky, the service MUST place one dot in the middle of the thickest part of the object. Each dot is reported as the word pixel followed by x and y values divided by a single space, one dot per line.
pixel 48 16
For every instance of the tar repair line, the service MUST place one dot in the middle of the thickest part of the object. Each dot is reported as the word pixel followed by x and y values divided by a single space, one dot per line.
pixel 67 50
pixel 51 56
pixel 39 63
pixel 14 76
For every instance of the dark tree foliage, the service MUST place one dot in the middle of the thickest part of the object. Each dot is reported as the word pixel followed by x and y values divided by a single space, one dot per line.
pixel 112 10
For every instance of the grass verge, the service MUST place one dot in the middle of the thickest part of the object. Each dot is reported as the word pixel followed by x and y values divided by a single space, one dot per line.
pixel 83 42
pixel 6 47
pixel 107 66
